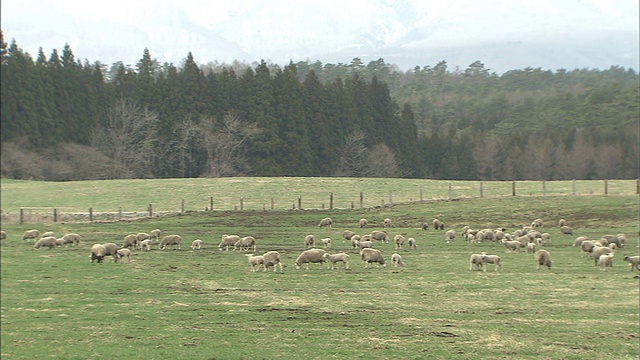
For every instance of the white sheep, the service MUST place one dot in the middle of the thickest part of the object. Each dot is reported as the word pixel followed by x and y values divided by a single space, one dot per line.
pixel 123 253
pixel 355 239
pixel 386 223
pixel 364 244
pixel 634 261
pixel 622 238
pixel 98 252
pixel 145 245
pixel 3 235
pixel 326 222
pixel 475 262
pixel 562 222
pixel 438 225
pixel 450 235
pixel 228 241
pixel 170 240
pixel 130 241
pixel 60 242
pixel 491 259
pixel 111 249
pixel 72 238
pixel 598 251
pixel 336 258
pixel 579 240
pixel 513 245
pixel 363 223
pixel 543 258
pixel 531 248
pixel 399 240
pixel 606 261
pixel 326 242
pixel 566 230
pixel 536 224
pixel 48 241
pixel 255 261
pixel 271 258
pixel 310 256
pixel 196 244
pixel 142 236
pixel 48 233
pixel 396 259
pixel 380 235
pixel 309 241
pixel 245 243
pixel 369 255
pixel 155 234
pixel 412 243
pixel 348 234
pixel 30 234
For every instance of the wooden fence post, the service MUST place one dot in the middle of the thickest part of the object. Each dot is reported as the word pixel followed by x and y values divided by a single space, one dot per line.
pixel 361 200
pixel 390 197
pixel 211 203
pixel 450 190
pixel 331 201
pixel 241 203
pixel 544 187
pixel 481 190
pixel 182 207
pixel 606 187
pixel 573 187
pixel 21 216
pixel 513 188
pixel 421 193
pixel 55 215
pixel 638 187
pixel 352 205
pixel 150 210
pixel 272 204
pixel 299 202
pixel 90 214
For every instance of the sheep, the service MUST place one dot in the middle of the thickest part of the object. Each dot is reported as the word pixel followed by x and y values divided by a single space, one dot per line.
pixel 613 247
pixel 396 259
pixel 123 253
pixel 412 243
pixel 130 241
pixel 438 225
pixel 487 235
pixel 98 252
pixel 196 244
pixel 491 259
pixel 48 241
pixel 537 223
pixel 545 238
pixel 245 243
pixel 271 258
pixel 579 240
pixel 622 238
pixel 48 233
pixel 155 234
pixel 425 226
pixel 531 248
pixel 111 249
pixel 3 235
pixel 72 238
pixel 60 242
pixel 475 262
pixel 255 262
pixel 380 235
pixel 399 240
pixel 336 258
pixel 386 223
pixel 348 234
pixel 562 222
pixel 599 251
pixel 142 236
pixel 227 241
pixel 543 258
pixel 450 235
pixel 366 237
pixel 513 245
pixel 30 234
pixel 606 261
pixel 170 240
pixel 364 244
pixel 368 255
pixel 363 223
pixel 472 239
pixel 587 246
pixel 355 239
pixel 310 256
pixel 612 239
pixel 326 242
pixel 145 245
pixel 326 223
pixel 634 261
pixel 309 241
pixel 566 230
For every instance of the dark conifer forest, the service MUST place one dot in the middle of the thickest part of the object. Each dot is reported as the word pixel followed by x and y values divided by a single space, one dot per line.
pixel 64 119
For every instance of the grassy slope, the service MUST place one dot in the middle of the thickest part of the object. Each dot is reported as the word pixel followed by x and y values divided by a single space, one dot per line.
pixel 207 304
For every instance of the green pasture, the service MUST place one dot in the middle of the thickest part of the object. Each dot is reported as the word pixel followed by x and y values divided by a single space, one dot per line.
pixel 207 304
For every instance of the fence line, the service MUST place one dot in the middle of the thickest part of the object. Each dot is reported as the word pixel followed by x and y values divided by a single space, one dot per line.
pixel 454 190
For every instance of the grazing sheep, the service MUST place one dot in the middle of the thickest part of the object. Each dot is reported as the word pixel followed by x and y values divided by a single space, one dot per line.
pixel 245 243
pixel 622 238
pixel 386 223
pixel 491 259
pixel 396 259
pixel 599 251
pixel 60 242
pixel 309 241
pixel 634 261
pixel 364 244
pixel 336 258
pixel 98 252
pixel 545 238
pixel 363 223
pixel 3 235
pixel 196 244
pixel 613 247
pixel 425 226
pixel 48 241
pixel 536 224
pixel 170 240
pixel 326 223
pixel 475 262
pixel 531 248
pixel 130 241
pixel 380 235
pixel 450 235
pixel 566 230
pixel 606 261
pixel 368 256
pixel 399 240
pixel 514 245
pixel 72 238
pixel 366 237
pixel 123 253
pixel 543 258
pixel 348 234
pixel 611 239
pixel 30 234
pixel 155 234
pixel 142 236
pixel 438 225
pixel 227 241
pixel 255 262
pixel 412 243
pixel 48 233
pixel 562 222
pixel 587 246
pixel 355 239
pixel 579 240
pixel 145 245
pixel 326 242
pixel 271 258
pixel 310 256
pixel 111 249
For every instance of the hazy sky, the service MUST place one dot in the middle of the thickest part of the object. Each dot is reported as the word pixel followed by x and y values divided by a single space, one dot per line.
pixel 503 34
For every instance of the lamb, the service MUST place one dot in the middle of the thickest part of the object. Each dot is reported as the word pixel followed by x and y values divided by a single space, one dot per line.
pixel 48 241
pixel 537 223
pixel 363 223
pixel 513 245
pixel 130 241
pixel 425 226
pixel 30 234
pixel 155 234
pixel 355 239
pixel 399 240
pixel 326 222
pixel 438 225
pixel 72 238
pixel 368 256
pixel 380 235
pixel 196 244
pixel 60 242
pixel 450 235
pixel 348 234
pixel 562 222
pixel 245 243
pixel 412 243
pixel 622 238
pixel 143 236
pixel 566 230
pixel 606 261
pixel 255 261
pixel 3 235
pixel 271 258
pixel 326 242
pixel 170 240
pixel 227 241
pixel 543 258
pixel 587 246
pixel 634 261
pixel 111 249
pixel 98 252
pixel 386 223
pixel 531 248
pixel 310 256
pixel 336 258
pixel 599 251
pixel 396 259
pixel 491 259
pixel 145 245
pixel 545 238
pixel 579 240
pixel 123 253
pixel 48 233
pixel 309 241
pixel 364 244
pixel 475 262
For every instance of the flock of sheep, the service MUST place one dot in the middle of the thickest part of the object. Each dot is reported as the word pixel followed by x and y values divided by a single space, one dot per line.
pixel 530 238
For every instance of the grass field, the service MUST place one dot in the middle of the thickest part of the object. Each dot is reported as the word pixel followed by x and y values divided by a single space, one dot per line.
pixel 208 305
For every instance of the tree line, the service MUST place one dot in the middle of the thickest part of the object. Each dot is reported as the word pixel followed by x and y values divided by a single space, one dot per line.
pixel 66 119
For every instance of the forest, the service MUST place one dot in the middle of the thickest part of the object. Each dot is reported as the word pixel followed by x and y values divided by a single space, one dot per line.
pixel 68 119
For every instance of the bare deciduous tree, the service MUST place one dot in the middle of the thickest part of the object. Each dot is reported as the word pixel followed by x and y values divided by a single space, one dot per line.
pixel 382 163
pixel 352 159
